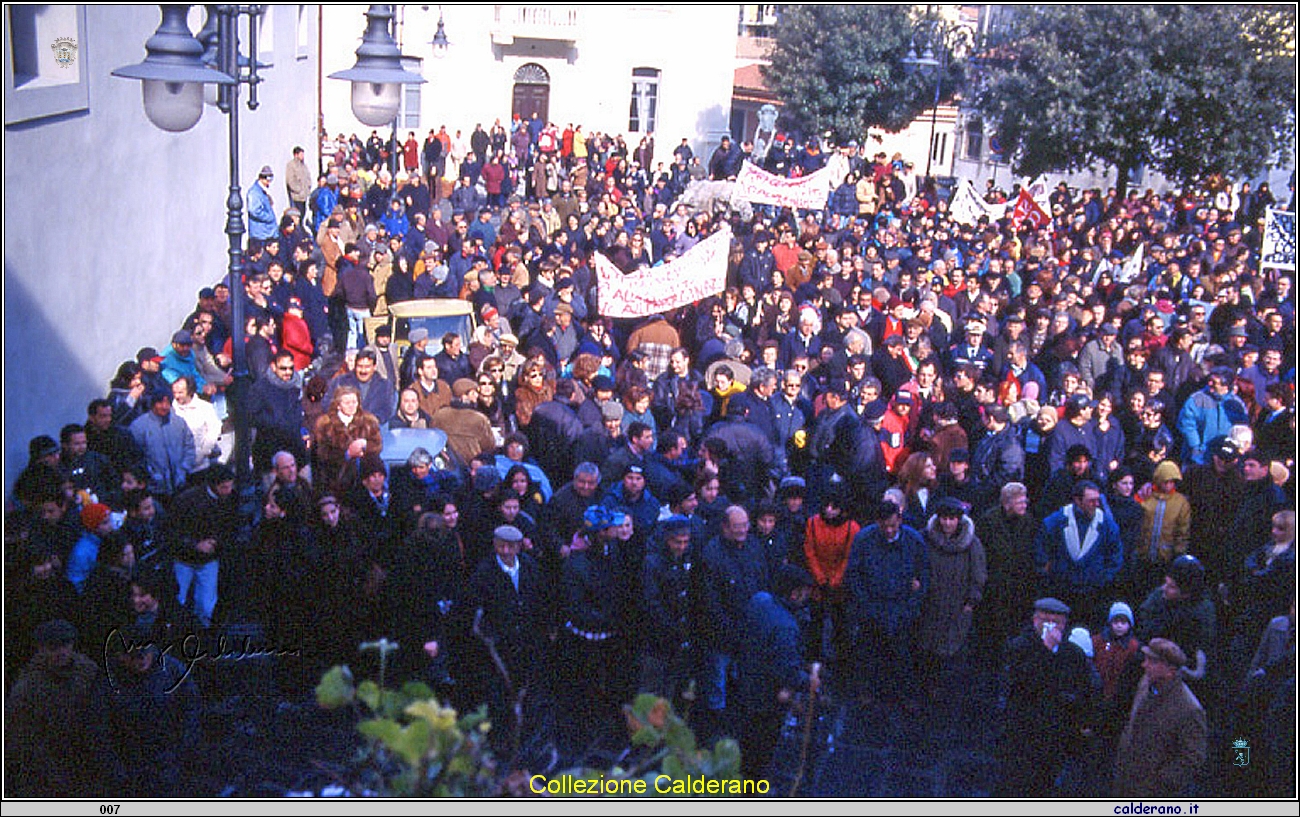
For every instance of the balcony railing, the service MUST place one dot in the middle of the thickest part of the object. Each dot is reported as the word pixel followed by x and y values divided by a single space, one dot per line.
pixel 535 22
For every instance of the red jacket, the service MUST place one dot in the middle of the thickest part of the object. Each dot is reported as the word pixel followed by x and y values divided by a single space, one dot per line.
pixel 893 439
pixel 296 338
pixel 827 549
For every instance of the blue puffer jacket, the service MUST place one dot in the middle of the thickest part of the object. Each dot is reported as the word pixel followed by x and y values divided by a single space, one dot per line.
pixel 1205 416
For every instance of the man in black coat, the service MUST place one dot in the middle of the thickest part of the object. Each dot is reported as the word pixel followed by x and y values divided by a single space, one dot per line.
pixel 732 570
pixel 513 617
pixel 1047 685
pixel 1007 532
pixel 275 413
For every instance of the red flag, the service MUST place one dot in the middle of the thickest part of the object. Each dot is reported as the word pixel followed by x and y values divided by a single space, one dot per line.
pixel 1027 208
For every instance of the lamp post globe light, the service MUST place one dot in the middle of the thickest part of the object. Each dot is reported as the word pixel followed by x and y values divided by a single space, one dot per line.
pixel 175 70
pixel 440 42
pixel 378 76
pixel 173 73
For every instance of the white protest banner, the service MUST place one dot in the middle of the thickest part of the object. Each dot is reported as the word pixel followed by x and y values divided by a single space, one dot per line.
pixel 966 206
pixel 701 272
pixel 805 193
pixel 1278 251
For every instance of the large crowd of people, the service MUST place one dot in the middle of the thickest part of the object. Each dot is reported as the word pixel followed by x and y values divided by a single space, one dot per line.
pixel 895 451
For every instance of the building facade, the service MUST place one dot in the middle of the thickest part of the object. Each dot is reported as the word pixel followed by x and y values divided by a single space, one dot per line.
pixel 627 69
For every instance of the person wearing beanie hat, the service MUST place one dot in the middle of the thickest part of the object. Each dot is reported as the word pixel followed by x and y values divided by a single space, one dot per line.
pixel 667 662
pixel 958 573
pixel 1081 638
pixel 97 520
pixel 1117 656
pixel 827 539
pixel 43 448
pixel 1163 747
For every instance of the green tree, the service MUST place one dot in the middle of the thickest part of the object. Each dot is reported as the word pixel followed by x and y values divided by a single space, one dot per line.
pixel 1190 90
pixel 840 68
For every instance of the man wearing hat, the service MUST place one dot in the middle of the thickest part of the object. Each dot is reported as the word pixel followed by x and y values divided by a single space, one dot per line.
pixel 262 222
pixel 1215 491
pixel 179 362
pixel 667 659
pixel 630 494
pixel 1210 412
pixel 166 441
pixel 1047 682
pixel 596 619
pixel 973 351
pixel 771 667
pixel 468 430
pixel 1164 744
pixel 418 349
pixel 97 521
pixel 513 613
pixel 48 748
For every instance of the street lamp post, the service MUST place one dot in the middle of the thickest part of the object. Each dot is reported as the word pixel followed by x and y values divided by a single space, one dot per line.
pixel 934 62
pixel 175 70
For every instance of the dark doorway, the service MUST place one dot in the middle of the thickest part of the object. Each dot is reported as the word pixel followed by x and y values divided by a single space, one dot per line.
pixel 532 92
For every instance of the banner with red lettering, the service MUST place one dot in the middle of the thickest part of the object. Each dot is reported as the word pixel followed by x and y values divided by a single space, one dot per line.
pixel 699 273
pixel 1028 209
pixel 805 193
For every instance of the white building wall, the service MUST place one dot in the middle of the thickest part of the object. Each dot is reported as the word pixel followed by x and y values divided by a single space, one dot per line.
pixel 111 225
pixel 591 75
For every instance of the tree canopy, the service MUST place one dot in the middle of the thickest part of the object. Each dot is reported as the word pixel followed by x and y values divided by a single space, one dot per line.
pixel 1190 90
pixel 840 68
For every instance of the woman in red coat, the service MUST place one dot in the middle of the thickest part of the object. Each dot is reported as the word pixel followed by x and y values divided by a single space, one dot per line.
pixel 295 336
pixel 828 537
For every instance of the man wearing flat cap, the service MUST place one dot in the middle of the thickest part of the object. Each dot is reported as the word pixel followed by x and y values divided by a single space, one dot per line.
pixel 262 223
pixel 1164 744
pixel 512 613
pixel 1047 681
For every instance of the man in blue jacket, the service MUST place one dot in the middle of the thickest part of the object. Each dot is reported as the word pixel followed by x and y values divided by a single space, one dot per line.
pixel 886 578
pixel 262 223
pixel 771 667
pixel 1078 551
pixel 1210 413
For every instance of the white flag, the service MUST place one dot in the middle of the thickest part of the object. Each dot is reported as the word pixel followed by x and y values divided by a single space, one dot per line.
pixel 1132 268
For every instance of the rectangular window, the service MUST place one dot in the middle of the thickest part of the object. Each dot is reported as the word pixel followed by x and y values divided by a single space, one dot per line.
pixel 302 34
pixel 939 149
pixel 45 70
pixel 644 109
pixel 409 115
pixel 974 141
pixel 266 35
